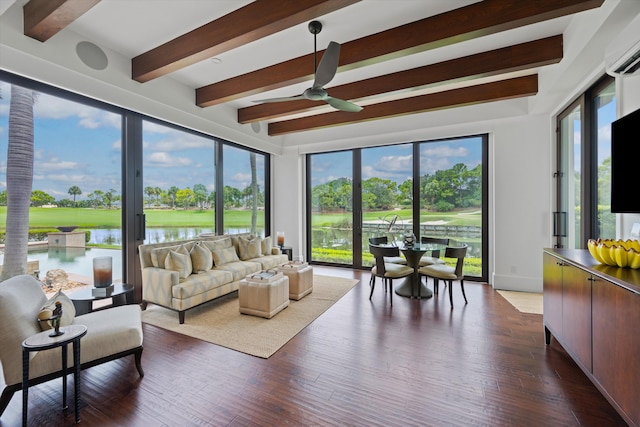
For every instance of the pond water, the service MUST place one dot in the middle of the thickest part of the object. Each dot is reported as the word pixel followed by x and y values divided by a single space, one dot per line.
pixel 75 260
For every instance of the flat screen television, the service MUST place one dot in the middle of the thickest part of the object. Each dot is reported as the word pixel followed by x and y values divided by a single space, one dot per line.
pixel 625 164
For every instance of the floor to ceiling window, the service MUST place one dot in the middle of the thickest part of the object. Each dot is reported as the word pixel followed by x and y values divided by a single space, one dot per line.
pixel 244 177
pixel 331 238
pixel 453 195
pixel 361 193
pixel 76 180
pixel 179 183
pixel 583 176
pixel 387 194
pixel 110 172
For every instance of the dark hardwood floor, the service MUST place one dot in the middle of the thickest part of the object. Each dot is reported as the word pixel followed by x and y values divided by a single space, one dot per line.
pixel 361 363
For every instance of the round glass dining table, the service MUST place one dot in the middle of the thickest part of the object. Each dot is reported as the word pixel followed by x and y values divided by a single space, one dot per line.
pixel 412 286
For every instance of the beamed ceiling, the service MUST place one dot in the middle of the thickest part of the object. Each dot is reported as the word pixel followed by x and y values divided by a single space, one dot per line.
pixel 263 49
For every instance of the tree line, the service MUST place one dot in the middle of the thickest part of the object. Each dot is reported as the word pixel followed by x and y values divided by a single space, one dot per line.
pixel 186 198
pixel 445 190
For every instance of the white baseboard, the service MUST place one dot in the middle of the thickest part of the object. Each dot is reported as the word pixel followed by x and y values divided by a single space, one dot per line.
pixel 517 283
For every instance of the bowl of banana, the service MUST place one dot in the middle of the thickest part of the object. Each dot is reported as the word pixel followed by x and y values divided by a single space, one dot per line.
pixel 620 253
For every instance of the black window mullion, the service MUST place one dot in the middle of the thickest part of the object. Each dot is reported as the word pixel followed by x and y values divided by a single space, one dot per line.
pixel 356 207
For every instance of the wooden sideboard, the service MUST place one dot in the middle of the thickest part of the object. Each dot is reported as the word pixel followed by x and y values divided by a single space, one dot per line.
pixel 593 311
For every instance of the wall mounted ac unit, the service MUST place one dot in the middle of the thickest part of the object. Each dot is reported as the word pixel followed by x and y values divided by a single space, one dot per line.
pixel 622 56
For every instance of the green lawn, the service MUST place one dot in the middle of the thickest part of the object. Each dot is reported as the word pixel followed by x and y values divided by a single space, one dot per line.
pixel 49 218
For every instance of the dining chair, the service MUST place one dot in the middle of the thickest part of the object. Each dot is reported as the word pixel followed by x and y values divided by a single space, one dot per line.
pixel 446 272
pixel 386 270
pixel 434 257
pixel 382 240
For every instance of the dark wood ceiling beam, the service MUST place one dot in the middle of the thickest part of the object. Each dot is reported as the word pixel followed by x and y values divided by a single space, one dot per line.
pixel 466 23
pixel 499 61
pixel 488 92
pixel 254 21
pixel 44 18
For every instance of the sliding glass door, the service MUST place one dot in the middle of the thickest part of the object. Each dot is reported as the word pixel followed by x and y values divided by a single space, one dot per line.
pixel 331 207
pixel 583 175
pixel 434 188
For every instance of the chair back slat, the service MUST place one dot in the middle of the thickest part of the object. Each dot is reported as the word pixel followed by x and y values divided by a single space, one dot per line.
pixel 378 240
pixel 380 252
pixel 458 252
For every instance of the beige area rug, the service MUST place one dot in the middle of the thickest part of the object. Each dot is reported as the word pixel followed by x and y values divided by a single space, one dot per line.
pixel 221 323
pixel 525 302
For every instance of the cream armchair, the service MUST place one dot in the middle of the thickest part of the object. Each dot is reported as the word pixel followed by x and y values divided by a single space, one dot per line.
pixel 112 333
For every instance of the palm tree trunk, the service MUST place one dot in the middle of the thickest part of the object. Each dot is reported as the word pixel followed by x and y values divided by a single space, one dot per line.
pixel 19 181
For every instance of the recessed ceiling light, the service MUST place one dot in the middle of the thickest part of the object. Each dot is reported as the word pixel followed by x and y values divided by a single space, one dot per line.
pixel 216 60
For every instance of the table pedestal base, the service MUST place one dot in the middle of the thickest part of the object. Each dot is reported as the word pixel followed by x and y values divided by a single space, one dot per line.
pixel 407 289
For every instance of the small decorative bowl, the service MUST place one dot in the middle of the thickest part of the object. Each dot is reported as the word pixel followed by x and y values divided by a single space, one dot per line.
pixel 620 253
pixel 67 229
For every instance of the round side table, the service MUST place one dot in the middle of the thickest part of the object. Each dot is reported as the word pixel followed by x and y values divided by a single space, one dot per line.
pixel 44 341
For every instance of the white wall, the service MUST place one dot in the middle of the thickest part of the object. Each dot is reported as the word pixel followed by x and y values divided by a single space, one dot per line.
pixel 522 217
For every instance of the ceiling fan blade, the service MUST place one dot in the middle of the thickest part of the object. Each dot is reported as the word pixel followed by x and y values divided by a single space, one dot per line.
pixel 281 99
pixel 343 105
pixel 328 66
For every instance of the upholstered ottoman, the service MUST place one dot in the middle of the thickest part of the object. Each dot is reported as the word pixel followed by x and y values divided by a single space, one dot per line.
pixel 263 296
pixel 300 278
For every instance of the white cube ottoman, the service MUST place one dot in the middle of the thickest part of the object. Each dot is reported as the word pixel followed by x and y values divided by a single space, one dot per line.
pixel 300 278
pixel 263 297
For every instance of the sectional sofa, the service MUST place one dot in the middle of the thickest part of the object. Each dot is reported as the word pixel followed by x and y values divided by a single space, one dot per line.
pixel 183 274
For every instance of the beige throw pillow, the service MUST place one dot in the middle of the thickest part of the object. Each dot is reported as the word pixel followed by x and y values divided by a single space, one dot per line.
pixel 179 262
pixel 68 310
pixel 201 258
pixel 158 255
pixel 249 248
pixel 224 256
pixel 215 245
pixel 266 245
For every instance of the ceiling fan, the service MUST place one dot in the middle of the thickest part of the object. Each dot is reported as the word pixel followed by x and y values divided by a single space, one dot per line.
pixel 323 74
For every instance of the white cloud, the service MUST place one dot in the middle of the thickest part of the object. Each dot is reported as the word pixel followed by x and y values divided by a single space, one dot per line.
pixel 51 107
pixel 179 141
pixel 163 159
pixel 443 150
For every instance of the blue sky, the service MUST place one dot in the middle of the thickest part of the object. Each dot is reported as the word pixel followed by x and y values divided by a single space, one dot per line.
pixel 80 145
pixel 395 162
